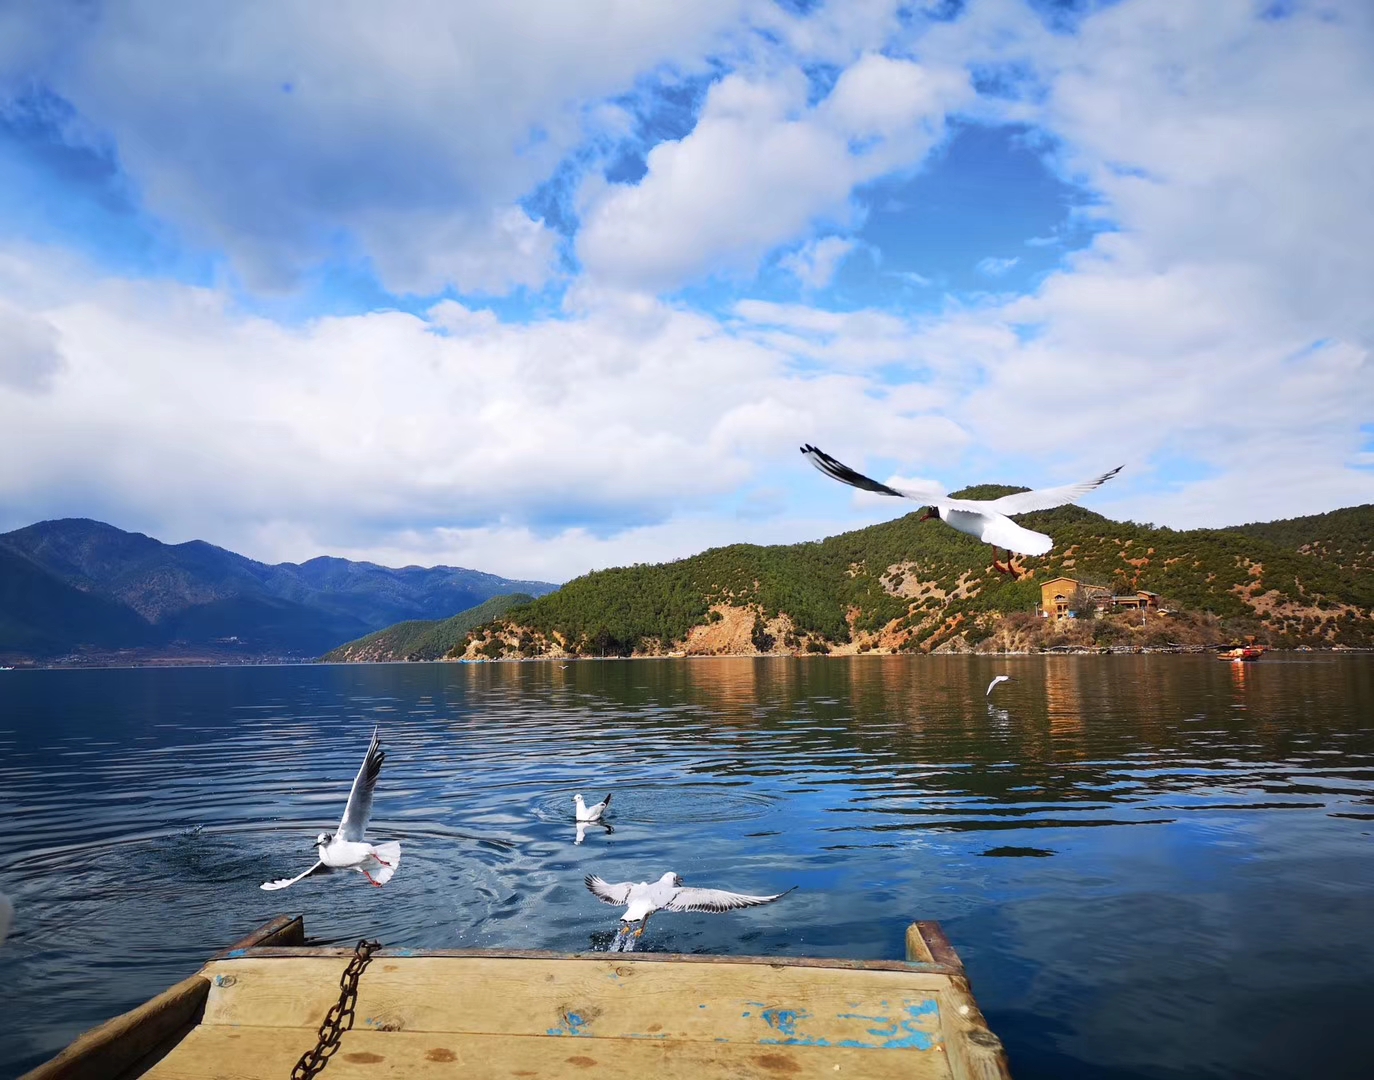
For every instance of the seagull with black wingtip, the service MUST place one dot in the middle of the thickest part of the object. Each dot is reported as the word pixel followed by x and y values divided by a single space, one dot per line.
pixel 986 519
pixel 345 848
pixel 641 899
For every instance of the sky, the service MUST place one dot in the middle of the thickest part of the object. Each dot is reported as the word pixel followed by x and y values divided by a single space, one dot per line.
pixel 538 288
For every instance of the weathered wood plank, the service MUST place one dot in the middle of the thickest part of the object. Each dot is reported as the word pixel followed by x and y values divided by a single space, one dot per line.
pixel 974 1051
pixel 937 946
pixel 608 998
pixel 639 958
pixel 117 1044
pixel 284 931
pixel 261 1053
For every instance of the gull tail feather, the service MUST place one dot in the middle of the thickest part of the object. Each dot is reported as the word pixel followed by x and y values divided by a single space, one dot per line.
pixel 388 858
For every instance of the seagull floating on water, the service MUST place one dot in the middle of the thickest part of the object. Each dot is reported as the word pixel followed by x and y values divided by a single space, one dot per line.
pixel 642 899
pixel 590 813
pixel 985 519
pixel 995 680
pixel 346 849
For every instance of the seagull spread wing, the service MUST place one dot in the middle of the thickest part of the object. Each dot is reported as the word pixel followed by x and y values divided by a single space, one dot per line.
pixel 282 883
pixel 616 895
pixel 837 470
pixel 1000 530
pixel 1023 502
pixel 359 807
pixel 687 899
pixel 995 680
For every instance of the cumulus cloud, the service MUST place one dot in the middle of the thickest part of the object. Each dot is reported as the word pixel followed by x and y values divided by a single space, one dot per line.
pixel 267 129
pixel 815 262
pixel 29 354
pixel 762 168
pixel 190 416
pixel 1224 316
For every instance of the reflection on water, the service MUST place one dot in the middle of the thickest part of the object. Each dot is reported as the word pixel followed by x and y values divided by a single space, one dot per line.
pixel 1153 866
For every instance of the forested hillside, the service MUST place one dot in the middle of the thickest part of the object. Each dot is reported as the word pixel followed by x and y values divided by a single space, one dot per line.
pixel 908 584
pixel 423 639
pixel 1344 537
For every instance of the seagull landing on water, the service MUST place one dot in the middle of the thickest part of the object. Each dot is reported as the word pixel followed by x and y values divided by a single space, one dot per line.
pixel 995 680
pixel 642 899
pixel 590 813
pixel 346 849
pixel 985 519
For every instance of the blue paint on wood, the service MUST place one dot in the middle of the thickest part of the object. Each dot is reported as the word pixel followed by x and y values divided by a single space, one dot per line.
pixel 575 1026
pixel 235 954
pixel 784 1020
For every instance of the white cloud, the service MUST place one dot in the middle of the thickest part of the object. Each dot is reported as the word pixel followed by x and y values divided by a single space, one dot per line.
pixel 762 168
pixel 1229 153
pixel 815 262
pixel 992 266
pixel 1224 320
pixel 179 416
pixel 266 129
pixel 29 353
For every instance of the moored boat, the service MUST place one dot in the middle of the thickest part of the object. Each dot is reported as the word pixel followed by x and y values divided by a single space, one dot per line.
pixel 256 1010
pixel 1242 652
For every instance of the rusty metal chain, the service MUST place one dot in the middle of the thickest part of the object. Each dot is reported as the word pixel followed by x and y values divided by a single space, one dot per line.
pixel 340 1016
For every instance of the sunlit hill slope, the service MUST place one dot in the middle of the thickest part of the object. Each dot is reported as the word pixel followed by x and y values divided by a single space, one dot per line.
pixel 908 585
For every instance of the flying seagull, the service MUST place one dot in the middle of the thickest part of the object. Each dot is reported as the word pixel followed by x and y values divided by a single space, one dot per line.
pixel 590 813
pixel 984 518
pixel 346 849
pixel 642 899
pixel 995 680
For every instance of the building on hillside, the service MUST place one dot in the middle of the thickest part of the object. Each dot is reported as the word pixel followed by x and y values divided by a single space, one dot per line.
pixel 1060 597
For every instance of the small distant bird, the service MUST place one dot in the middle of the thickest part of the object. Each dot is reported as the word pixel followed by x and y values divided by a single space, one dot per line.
pixel 995 680
pixel 985 519
pixel 346 849
pixel 590 813
pixel 668 894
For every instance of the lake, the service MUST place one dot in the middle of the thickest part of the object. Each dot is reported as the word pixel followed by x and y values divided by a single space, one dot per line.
pixel 1152 866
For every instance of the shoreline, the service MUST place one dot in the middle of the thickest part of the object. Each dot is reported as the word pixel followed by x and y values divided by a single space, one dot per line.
pixel 169 663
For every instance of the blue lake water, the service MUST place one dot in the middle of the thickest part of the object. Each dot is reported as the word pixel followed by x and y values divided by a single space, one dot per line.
pixel 1151 866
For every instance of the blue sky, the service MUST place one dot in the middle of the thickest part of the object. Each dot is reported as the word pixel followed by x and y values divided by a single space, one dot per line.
pixel 538 289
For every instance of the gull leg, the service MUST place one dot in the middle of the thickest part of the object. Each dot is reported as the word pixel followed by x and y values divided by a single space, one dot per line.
pixel 643 924
pixel 997 564
pixel 371 879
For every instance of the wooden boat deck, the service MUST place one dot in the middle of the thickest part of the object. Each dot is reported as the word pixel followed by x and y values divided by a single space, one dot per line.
pixel 253 1010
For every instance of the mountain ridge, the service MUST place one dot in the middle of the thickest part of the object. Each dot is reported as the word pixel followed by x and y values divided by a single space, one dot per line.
pixel 196 594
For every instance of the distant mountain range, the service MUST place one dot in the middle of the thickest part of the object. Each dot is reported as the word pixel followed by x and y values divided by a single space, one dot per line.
pixel 79 585
pixel 908 585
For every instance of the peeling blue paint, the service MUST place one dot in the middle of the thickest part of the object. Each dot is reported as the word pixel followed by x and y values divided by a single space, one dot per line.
pixel 784 1020
pixel 575 1026
pixel 235 954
